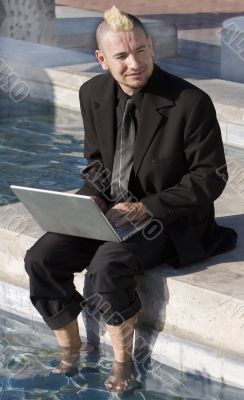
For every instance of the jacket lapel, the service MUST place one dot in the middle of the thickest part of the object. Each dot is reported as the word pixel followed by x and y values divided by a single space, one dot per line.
pixel 152 116
pixel 156 100
pixel 105 119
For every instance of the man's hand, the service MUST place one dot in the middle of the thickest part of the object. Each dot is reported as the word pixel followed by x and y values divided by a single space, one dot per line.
pixel 101 203
pixel 124 212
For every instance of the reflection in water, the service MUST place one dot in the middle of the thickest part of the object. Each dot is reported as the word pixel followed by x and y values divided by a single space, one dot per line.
pixel 26 364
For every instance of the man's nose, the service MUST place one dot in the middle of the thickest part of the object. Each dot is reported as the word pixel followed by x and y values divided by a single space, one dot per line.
pixel 133 61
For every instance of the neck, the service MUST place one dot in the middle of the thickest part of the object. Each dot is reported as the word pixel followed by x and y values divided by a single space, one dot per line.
pixel 128 90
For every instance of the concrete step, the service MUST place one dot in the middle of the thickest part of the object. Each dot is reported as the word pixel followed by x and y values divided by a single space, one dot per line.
pixel 55 75
pixel 76 29
pixel 195 302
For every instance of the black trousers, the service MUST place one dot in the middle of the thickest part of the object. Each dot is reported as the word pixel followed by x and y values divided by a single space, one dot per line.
pixel 54 258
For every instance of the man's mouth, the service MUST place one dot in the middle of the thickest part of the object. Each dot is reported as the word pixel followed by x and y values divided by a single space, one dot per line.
pixel 135 74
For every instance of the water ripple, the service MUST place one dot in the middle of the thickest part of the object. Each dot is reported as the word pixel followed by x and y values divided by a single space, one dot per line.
pixel 42 151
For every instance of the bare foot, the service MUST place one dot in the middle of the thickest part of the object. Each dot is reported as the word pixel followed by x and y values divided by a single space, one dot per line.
pixel 119 376
pixel 70 359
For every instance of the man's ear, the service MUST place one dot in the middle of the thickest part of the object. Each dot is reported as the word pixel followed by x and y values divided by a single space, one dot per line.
pixel 150 44
pixel 101 59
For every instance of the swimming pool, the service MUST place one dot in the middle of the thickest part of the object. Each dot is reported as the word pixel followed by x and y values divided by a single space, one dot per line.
pixel 26 362
pixel 39 147
pixel 43 147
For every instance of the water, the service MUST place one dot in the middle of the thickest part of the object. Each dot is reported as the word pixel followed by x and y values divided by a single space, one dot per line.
pixel 39 148
pixel 26 363
pixel 43 148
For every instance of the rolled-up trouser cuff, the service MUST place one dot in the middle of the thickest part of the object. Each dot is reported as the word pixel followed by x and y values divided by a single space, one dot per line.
pixel 66 315
pixel 118 317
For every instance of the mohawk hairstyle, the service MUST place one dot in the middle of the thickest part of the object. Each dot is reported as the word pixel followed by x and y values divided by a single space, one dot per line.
pixel 117 21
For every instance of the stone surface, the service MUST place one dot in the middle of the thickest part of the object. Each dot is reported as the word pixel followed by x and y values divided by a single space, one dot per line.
pixel 31 20
pixel 37 73
pixel 39 55
pixel 177 352
pixel 81 32
pixel 196 302
pixel 55 74
pixel 232 49
pixel 2 13
pixel 142 7
pixel 164 38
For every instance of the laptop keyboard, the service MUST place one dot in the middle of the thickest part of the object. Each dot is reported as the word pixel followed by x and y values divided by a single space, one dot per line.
pixel 124 229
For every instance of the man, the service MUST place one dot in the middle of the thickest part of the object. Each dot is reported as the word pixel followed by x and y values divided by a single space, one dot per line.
pixel 154 149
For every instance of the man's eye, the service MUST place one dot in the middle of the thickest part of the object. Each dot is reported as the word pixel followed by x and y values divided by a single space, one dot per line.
pixel 122 57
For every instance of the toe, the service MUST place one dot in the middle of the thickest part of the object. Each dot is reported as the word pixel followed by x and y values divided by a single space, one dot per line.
pixel 56 371
pixel 108 385
pixel 126 384
pixel 119 387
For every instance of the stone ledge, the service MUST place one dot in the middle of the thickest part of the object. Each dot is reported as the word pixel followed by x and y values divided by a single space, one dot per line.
pixel 55 75
pixel 178 353
pixel 195 302
pixel 228 98
pixel 79 32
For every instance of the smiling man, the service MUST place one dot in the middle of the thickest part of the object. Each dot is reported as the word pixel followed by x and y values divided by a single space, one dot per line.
pixel 127 55
pixel 154 149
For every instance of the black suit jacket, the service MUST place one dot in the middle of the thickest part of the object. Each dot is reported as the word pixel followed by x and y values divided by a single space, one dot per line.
pixel 179 166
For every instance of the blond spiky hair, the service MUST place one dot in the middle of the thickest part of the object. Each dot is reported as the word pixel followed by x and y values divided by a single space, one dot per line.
pixel 117 20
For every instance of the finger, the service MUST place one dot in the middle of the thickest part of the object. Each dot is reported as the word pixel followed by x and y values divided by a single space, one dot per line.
pixel 117 220
pixel 122 221
pixel 109 214
pixel 123 206
pixel 112 216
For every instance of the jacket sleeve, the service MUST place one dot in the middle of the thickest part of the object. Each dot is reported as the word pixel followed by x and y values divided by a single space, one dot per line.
pixel 95 176
pixel 207 173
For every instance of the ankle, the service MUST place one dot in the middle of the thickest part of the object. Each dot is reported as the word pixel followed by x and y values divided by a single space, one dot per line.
pixel 127 363
pixel 68 335
pixel 70 350
pixel 123 358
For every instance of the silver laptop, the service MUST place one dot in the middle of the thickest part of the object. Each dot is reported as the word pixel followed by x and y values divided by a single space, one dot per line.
pixel 72 214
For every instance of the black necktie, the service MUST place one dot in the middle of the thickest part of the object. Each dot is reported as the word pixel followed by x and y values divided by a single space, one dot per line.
pixel 123 158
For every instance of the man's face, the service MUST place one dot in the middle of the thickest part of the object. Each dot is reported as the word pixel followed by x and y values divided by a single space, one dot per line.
pixel 128 57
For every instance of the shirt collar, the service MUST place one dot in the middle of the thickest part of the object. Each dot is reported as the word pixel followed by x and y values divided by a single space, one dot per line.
pixel 137 98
